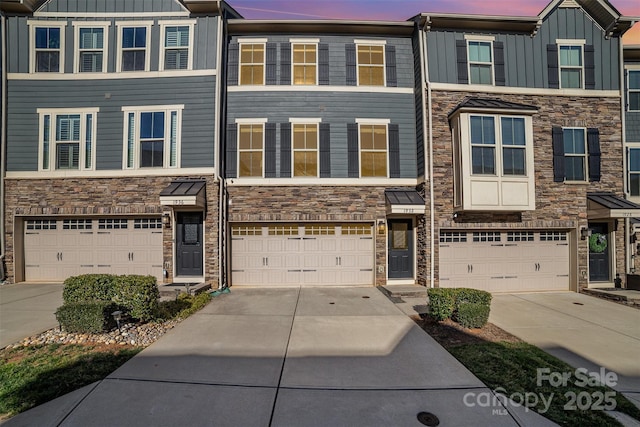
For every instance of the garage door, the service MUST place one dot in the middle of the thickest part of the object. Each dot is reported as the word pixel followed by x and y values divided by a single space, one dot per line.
pixel 302 254
pixel 55 249
pixel 504 261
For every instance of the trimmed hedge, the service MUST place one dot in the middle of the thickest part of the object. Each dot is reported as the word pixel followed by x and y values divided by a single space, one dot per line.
pixel 89 317
pixel 472 314
pixel 88 287
pixel 442 302
pixel 468 307
pixel 137 295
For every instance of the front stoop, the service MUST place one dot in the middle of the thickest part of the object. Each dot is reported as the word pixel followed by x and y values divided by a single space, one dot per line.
pixel 170 290
pixel 411 299
pixel 620 295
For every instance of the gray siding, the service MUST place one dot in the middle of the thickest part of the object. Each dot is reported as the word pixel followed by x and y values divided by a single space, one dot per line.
pixel 112 6
pixel 196 93
pixel 525 56
pixel 337 59
pixel 418 99
pixel 204 42
pixel 337 109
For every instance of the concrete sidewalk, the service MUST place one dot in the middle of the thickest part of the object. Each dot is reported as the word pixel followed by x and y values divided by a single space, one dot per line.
pixel 584 331
pixel 27 310
pixel 287 357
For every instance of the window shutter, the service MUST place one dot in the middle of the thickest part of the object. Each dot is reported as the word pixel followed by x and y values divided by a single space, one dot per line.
pixel 593 145
pixel 323 64
pixel 558 154
pixel 394 151
pixel 589 67
pixel 285 150
pixel 552 66
pixel 271 64
pixel 626 90
pixel 350 52
pixel 232 65
pixel 269 150
pixel 390 59
pixel 352 150
pixel 285 64
pixel 232 151
pixel 325 150
pixel 498 57
pixel 88 141
pixel 461 58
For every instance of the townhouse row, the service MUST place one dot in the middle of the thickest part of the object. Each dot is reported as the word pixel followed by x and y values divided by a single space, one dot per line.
pixel 178 139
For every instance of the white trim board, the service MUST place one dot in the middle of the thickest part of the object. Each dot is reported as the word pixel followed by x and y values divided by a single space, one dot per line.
pixel 111 76
pixel 507 90
pixel 119 173
pixel 304 88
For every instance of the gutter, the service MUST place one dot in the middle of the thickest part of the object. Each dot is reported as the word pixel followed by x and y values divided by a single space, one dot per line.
pixel 625 185
pixel 3 138
pixel 217 152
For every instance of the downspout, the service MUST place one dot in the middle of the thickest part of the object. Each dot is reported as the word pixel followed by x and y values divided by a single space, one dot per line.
pixel 218 152
pixel 3 138
pixel 625 185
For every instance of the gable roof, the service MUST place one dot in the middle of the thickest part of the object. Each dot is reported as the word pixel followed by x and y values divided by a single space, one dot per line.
pixel 603 12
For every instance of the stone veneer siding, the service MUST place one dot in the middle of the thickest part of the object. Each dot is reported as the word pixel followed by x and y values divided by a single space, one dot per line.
pixel 558 205
pixel 104 197
pixel 313 204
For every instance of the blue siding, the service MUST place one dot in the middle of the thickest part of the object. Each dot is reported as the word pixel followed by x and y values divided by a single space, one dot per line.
pixel 25 97
pixel 112 6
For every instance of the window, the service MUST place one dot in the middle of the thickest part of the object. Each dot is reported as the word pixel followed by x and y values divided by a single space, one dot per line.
pixel 47 46
pixel 152 136
pixel 633 90
pixel 356 229
pixel 91 47
pixel 250 149
pixel 67 139
pixel 453 237
pixel 283 230
pixel 319 229
pixel 370 65
pixel 514 143
pixel 571 66
pixel 112 224
pixel 41 224
pixel 76 224
pixel 373 150
pixel 176 45
pixel 305 64
pixel 252 63
pixel 480 62
pixel 133 47
pixel 553 236
pixel 575 154
pixel 486 236
pixel 483 143
pixel 520 236
pixel 148 223
pixel 305 149
pixel 485 138
pixel 246 230
pixel 634 171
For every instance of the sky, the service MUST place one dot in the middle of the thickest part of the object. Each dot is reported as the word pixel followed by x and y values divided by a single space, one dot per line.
pixel 394 10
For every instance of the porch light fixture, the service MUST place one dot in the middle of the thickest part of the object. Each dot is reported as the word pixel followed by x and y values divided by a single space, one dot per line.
pixel 166 219
pixel 381 226
pixel 584 233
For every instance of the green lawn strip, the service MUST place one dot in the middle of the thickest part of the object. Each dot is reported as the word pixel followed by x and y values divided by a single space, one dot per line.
pixel 512 369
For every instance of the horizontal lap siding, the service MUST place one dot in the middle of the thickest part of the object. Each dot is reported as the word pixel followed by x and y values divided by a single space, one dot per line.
pixel 196 93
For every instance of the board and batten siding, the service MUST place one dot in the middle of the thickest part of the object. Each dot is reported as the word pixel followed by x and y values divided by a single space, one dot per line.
pixel 204 42
pixel 337 109
pixel 198 116
pixel 112 6
pixel 525 56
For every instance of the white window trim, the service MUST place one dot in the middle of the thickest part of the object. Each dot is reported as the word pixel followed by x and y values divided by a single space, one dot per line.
pixel 263 42
pixel 147 56
pixel 33 24
pixel 479 38
pixel 497 160
pixel 584 156
pixel 631 69
pixel 384 60
pixel 172 23
pixel 53 112
pixel 571 43
pixel 167 110
pixel 304 41
pixel 77 25
pixel 372 122
pixel 296 121
pixel 259 122
pixel 492 63
pixel 629 147
pixel 315 43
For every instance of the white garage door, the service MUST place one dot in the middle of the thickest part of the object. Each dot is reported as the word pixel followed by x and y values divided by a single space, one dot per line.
pixel 504 261
pixel 55 249
pixel 302 254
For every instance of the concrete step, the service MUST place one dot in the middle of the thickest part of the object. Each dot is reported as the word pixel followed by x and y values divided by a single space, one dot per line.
pixel 400 291
pixel 172 289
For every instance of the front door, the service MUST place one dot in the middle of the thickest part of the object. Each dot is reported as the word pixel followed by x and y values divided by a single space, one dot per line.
pixel 400 248
pixel 599 253
pixel 189 244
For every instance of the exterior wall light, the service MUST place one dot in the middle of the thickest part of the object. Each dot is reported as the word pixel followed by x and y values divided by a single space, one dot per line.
pixel 382 228
pixel 584 233
pixel 166 220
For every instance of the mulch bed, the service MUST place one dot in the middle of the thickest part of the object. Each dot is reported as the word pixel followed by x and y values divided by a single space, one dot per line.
pixel 450 334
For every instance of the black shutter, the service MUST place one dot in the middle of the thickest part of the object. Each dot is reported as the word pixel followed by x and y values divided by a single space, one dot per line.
pixel 350 52
pixel 558 154
pixel 589 67
pixel 232 151
pixel 626 90
pixel 498 58
pixel 285 64
pixel 285 150
pixel 552 66
pixel 269 150
pixel 325 150
pixel 271 64
pixel 352 150
pixel 461 58
pixel 394 151
pixel 232 65
pixel 390 59
pixel 323 64
pixel 593 144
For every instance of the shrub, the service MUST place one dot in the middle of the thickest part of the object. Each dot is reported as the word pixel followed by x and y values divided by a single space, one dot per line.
pixel 472 314
pixel 473 296
pixel 88 317
pixel 442 302
pixel 88 287
pixel 469 307
pixel 182 307
pixel 137 295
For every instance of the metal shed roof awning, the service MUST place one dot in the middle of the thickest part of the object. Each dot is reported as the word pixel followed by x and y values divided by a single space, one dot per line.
pixel 184 193
pixel 404 201
pixel 608 205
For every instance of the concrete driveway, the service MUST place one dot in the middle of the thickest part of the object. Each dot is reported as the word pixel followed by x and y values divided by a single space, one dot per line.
pixel 27 309
pixel 584 331
pixel 287 357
